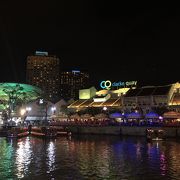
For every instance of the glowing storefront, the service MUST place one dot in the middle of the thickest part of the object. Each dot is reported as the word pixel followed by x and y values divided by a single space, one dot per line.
pixel 128 97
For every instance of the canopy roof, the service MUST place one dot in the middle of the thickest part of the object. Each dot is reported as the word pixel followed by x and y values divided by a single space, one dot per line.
pixel 112 102
pixel 134 115
pixel 20 91
pixel 31 91
pixel 116 115
pixel 149 90
pixel 75 116
pixel 86 116
pixel 171 114
pixel 152 115
pixel 101 115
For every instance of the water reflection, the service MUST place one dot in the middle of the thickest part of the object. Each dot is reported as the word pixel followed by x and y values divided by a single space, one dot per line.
pixel 6 156
pixel 89 157
pixel 94 158
pixel 23 157
pixel 163 164
pixel 50 156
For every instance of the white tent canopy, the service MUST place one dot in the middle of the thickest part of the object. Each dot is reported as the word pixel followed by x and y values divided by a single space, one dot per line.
pixel 172 115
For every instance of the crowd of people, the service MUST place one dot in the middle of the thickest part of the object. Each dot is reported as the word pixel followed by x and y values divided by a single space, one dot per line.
pixel 114 122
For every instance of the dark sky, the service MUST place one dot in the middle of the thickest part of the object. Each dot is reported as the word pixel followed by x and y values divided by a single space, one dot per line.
pixel 112 41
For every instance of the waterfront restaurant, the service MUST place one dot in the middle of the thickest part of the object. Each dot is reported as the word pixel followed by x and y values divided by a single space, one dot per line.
pixel 129 99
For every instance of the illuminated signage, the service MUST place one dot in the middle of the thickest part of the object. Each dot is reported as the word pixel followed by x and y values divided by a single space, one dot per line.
pixel 41 53
pixel 41 101
pixel 105 84
pixel 108 84
pixel 75 71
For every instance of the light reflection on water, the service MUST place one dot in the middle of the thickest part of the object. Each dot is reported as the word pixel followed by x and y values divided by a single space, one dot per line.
pixel 23 157
pixel 50 157
pixel 89 157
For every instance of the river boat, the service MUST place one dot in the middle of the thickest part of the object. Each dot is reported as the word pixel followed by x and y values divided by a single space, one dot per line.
pixel 17 132
pixel 44 132
pixel 155 134
pixel 62 131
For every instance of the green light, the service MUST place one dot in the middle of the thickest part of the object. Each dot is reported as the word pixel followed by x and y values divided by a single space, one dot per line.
pixel 20 91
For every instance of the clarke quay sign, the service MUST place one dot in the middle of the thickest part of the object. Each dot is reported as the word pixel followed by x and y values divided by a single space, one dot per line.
pixel 108 84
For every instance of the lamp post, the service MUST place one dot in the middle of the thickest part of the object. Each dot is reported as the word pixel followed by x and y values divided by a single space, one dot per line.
pixel 53 109
pixel 105 108
pixel 24 112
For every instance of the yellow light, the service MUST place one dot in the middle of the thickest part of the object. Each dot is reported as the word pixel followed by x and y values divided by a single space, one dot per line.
pixel 22 112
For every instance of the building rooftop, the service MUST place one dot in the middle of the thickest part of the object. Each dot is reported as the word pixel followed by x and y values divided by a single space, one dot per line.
pixel 176 99
pixel 90 103
pixel 163 90
pixel 133 92
pixel 149 90
pixel 146 91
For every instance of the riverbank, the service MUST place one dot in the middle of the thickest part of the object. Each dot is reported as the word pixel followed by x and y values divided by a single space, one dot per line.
pixel 169 132
pixel 173 132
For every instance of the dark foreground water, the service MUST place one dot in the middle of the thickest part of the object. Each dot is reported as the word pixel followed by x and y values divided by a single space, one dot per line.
pixel 89 157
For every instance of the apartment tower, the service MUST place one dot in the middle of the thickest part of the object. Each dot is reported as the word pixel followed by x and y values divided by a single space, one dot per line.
pixel 43 71
pixel 71 82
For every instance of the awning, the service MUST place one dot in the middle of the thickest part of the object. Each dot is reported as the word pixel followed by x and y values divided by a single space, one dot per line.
pixel 75 116
pixel 116 115
pixel 37 118
pixel 100 116
pixel 152 115
pixel 86 116
pixel 134 115
pixel 171 115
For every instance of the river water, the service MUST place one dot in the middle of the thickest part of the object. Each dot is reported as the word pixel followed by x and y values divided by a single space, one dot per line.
pixel 89 157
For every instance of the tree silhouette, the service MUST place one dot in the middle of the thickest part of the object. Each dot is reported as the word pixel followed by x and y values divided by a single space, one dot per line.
pixel 15 95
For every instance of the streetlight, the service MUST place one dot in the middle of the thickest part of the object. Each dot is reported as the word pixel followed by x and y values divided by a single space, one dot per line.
pixel 53 109
pixel 22 112
pixel 105 108
pixel 28 109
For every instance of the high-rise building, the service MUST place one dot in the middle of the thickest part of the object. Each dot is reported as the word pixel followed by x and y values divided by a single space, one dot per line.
pixel 71 82
pixel 43 72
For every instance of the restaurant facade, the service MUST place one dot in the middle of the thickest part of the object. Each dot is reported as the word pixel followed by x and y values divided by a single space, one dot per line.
pixel 129 99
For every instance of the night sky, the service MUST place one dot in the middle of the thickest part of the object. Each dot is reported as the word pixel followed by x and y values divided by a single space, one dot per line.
pixel 112 41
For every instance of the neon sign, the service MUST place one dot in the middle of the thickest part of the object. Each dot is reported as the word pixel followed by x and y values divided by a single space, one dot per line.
pixel 108 84
pixel 105 84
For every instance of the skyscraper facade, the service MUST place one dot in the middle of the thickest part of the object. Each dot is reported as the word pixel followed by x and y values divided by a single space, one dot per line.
pixel 71 82
pixel 43 71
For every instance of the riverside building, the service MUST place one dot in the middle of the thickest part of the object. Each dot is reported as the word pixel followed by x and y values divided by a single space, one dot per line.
pixel 71 82
pixel 129 98
pixel 43 72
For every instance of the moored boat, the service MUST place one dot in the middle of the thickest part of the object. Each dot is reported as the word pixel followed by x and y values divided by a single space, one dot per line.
pixel 155 134
pixel 44 132
pixel 17 132
pixel 62 131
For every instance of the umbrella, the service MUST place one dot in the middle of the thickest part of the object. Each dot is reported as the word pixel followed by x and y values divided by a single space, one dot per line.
pixel 171 115
pixel 134 115
pixel 75 116
pixel 116 115
pixel 86 116
pixel 101 115
pixel 152 115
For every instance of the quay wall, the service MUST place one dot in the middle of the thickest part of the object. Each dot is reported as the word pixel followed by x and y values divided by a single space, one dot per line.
pixel 169 132
pixel 123 130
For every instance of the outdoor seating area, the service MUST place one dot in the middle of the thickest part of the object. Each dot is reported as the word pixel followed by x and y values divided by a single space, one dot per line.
pixel 117 119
